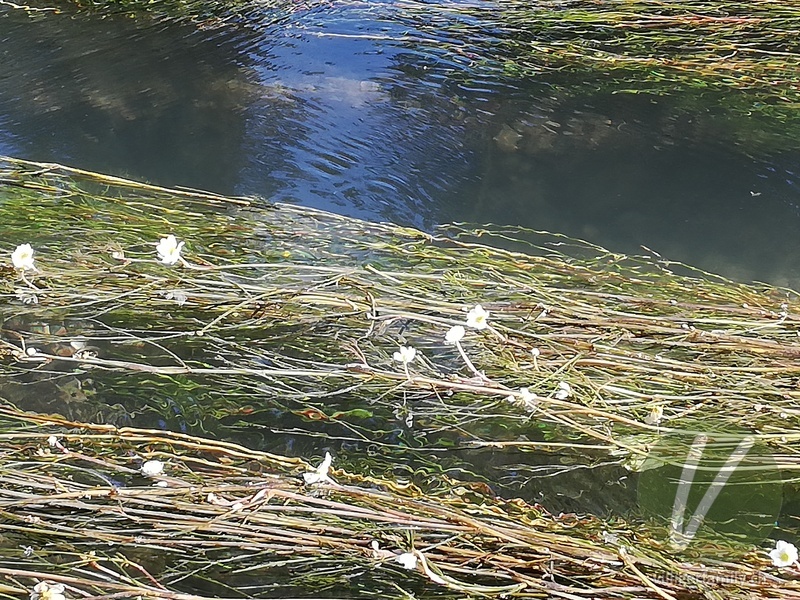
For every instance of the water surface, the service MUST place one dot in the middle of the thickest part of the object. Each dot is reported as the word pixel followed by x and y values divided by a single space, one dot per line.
pixel 377 111
pixel 382 111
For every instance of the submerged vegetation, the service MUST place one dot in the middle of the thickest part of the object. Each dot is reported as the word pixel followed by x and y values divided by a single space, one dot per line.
pixel 618 45
pixel 726 66
pixel 459 382
pixel 735 60
pixel 658 46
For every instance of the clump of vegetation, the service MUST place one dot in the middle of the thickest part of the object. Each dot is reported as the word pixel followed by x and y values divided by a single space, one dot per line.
pixel 735 60
pixel 446 374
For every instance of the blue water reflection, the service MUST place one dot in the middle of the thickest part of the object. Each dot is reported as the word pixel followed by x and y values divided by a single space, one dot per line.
pixel 364 139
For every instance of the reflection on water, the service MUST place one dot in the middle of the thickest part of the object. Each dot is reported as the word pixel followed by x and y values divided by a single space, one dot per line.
pixel 375 134
pixel 154 100
pixel 370 110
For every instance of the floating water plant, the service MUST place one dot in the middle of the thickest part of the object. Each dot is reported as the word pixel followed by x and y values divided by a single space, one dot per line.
pixel 22 258
pixel 169 250
pixel 269 357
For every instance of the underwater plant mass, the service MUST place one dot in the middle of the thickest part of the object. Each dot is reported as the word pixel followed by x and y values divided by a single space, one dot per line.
pixel 278 400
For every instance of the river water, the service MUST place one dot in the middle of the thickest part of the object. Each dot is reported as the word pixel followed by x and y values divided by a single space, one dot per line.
pixel 386 112
pixel 372 110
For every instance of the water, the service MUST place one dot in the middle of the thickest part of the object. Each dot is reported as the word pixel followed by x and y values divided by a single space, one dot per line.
pixel 369 110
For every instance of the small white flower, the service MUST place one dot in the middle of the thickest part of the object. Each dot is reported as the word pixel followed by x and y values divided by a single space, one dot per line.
pixel 152 468
pixel 478 318
pixel 784 554
pixel 564 391
pixel 31 351
pixel 528 397
pixel 320 474
pixel 53 442
pixel 169 250
pixel 48 591
pixel 22 258
pixel 655 416
pixel 407 559
pixel 529 400
pixel 455 335
pixel 535 352
pixel 405 355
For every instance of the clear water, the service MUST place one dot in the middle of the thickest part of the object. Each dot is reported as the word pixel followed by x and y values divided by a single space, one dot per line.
pixel 368 110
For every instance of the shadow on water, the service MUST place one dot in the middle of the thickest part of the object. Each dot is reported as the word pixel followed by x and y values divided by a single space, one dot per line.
pixel 155 100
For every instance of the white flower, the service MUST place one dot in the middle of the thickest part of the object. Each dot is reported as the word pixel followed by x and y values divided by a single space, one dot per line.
pixel 320 474
pixel 535 352
pixel 478 318
pixel 48 591
pixel 53 442
pixel 405 355
pixel 564 391
pixel 655 416
pixel 22 258
pixel 526 399
pixel 169 250
pixel 529 401
pixel 455 335
pixel 152 468
pixel 407 559
pixel 784 554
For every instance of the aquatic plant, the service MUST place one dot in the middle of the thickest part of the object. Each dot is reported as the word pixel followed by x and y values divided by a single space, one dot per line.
pixel 22 258
pixel 784 554
pixel 267 359
pixel 649 46
pixel 731 65
pixel 169 250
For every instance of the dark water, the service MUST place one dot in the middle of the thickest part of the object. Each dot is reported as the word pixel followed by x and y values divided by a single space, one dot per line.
pixel 371 110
